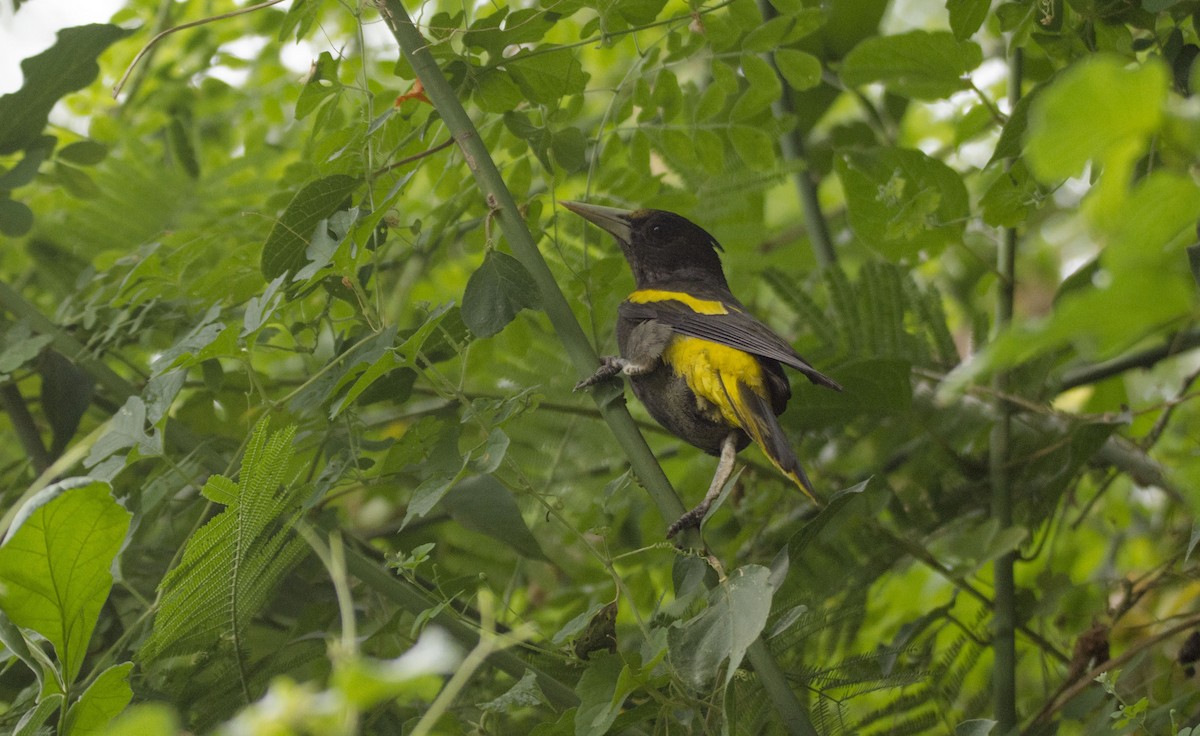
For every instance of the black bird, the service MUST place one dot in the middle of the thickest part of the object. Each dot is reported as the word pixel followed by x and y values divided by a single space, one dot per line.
pixel 705 369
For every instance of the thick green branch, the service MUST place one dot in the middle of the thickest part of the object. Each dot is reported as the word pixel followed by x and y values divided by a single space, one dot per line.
pixel 507 215
pixel 1004 672
pixel 416 49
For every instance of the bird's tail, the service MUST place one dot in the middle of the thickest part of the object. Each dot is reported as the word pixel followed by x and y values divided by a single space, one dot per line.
pixel 756 417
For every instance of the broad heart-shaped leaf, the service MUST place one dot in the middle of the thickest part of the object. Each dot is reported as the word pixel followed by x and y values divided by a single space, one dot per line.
pixel 925 65
pixel 901 201
pixel 68 65
pixel 1096 110
pixel 497 290
pixel 736 614
pixel 55 563
pixel 482 504
pixel 546 74
pixel 103 701
pixel 284 251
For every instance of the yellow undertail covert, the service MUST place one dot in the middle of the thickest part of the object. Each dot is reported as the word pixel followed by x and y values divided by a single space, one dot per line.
pixel 713 372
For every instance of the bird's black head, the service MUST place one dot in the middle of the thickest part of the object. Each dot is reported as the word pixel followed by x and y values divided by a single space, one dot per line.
pixel 661 247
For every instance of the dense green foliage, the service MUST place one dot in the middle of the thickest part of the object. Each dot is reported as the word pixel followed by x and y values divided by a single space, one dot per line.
pixel 293 446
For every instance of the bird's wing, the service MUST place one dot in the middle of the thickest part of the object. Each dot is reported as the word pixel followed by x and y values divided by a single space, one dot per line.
pixel 734 328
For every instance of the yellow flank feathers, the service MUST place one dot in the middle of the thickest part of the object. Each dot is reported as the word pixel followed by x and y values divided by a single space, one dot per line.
pixel 706 365
pixel 699 306
pixel 715 373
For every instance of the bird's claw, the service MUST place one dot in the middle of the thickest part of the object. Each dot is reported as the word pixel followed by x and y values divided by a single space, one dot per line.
pixel 610 365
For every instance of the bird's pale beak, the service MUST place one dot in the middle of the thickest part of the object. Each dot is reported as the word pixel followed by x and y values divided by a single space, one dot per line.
pixel 611 219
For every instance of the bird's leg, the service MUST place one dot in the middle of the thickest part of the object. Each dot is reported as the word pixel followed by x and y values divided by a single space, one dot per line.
pixel 724 469
pixel 611 365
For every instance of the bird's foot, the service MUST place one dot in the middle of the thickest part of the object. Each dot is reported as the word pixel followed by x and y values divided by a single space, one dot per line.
pixel 690 520
pixel 610 365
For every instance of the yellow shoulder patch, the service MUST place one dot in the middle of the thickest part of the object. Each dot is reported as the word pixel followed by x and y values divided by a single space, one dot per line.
pixel 697 305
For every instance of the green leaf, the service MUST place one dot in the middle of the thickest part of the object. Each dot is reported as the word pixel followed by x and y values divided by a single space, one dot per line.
pixel 547 74
pixel 480 503
pixel 1193 540
pixel 977 726
pixel 231 565
pixel 925 65
pixel 16 219
pixel 496 292
pixel 873 387
pixel 27 168
pixel 83 153
pixel 1096 110
pixel 14 641
pixel 762 88
pixel 286 245
pixel 67 66
pixel 902 201
pixel 30 724
pixel 321 83
pixel 602 692
pixel 126 429
pixel 736 614
pixel 524 694
pixel 1193 254
pixel 66 396
pixel 55 564
pixel 801 70
pixel 753 146
pixel 76 181
pixel 965 545
pixel 21 346
pixel 1011 196
pixel 1012 137
pixel 144 719
pixel 495 91
pixel 570 148
pixel 966 16
pixel 103 701
pixel 300 17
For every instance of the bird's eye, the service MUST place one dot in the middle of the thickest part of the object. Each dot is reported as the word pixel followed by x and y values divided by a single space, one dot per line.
pixel 656 230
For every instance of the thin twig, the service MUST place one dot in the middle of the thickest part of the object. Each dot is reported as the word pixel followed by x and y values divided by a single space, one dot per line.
pixel 1004 616
pixel 415 157
pixel 1174 345
pixel 1089 679
pixel 190 24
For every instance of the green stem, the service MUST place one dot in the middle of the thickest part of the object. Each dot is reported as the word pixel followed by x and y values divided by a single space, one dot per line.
pixel 610 401
pixel 26 428
pixel 1004 676
pixel 773 680
pixel 507 215
pixel 791 144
